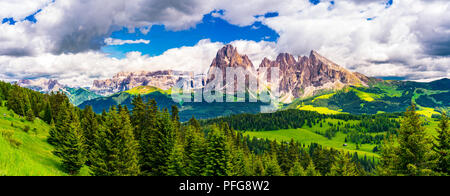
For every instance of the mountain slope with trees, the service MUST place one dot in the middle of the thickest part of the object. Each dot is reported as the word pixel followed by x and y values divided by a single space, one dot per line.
pixel 149 141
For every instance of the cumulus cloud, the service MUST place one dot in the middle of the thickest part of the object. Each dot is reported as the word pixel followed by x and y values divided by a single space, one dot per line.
pixel 20 9
pixel 407 39
pixel 82 68
pixel 410 38
pixel 73 26
pixel 256 51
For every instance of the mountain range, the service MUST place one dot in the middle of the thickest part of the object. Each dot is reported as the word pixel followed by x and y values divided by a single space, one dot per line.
pixel 307 82
pixel 76 95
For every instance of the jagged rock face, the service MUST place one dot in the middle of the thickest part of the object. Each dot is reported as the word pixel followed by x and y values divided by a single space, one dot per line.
pixel 229 57
pixel 301 77
pixel 124 81
pixel 308 75
pixel 297 78
pixel 287 65
pixel 41 85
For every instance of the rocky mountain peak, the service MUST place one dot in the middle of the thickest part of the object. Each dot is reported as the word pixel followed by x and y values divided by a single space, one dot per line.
pixel 317 59
pixel 300 77
pixel 266 62
pixel 286 59
pixel 41 85
pixel 228 56
pixel 123 81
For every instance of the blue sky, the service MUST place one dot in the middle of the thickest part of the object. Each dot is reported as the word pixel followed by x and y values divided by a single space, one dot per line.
pixel 71 40
pixel 213 28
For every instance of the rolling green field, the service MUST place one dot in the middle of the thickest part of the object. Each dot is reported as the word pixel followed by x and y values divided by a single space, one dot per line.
pixel 307 135
pixel 381 96
pixel 144 90
pixel 32 155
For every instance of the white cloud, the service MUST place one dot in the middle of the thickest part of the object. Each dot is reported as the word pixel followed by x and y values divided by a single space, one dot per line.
pixel 82 68
pixel 256 51
pixel 20 9
pixel 396 43
pixel 73 26
pixel 114 42
pixel 410 38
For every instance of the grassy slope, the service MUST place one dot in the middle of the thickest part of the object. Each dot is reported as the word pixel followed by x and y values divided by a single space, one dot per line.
pixel 321 110
pixel 386 96
pixel 307 135
pixel 144 90
pixel 34 156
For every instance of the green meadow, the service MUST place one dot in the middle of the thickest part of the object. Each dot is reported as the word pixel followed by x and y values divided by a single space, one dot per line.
pixel 25 152
pixel 307 135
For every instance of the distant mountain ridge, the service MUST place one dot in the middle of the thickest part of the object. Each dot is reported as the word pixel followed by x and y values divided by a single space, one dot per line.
pixel 41 85
pixel 75 95
pixel 307 82
pixel 302 77
pixel 308 75
pixel 124 81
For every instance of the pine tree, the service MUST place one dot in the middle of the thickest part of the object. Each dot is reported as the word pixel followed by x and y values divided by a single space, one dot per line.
pixel 175 117
pixel 238 166
pixel 442 146
pixel 258 167
pixel 138 115
pixel 70 146
pixel 194 148
pixel 217 156
pixel 297 170
pixel 177 165
pixel 413 156
pixel 52 134
pixel 162 143
pixel 90 128
pixel 59 126
pixel 343 166
pixel 48 117
pixel 115 150
pixel 388 159
pixel 415 145
pixel 271 166
pixel 194 123
pixel 30 115
pixel 311 170
pixel 18 101
pixel 56 101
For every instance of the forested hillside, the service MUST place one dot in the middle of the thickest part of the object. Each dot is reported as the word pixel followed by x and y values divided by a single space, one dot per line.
pixel 381 97
pixel 149 141
pixel 201 110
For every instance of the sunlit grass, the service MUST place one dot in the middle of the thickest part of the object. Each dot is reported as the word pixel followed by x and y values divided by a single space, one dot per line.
pixel 321 110
pixel 144 90
pixel 34 156
pixel 327 96
pixel 307 135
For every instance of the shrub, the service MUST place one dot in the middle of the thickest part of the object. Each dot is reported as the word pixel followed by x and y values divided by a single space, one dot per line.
pixel 9 136
pixel 26 129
